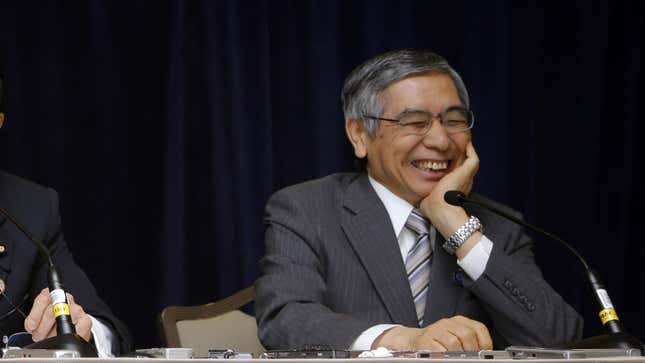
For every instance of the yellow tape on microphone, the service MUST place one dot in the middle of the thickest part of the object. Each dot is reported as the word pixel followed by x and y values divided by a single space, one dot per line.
pixel 607 315
pixel 61 309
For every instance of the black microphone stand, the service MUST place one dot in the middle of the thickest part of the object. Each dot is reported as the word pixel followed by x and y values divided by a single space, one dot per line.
pixel 66 337
pixel 616 337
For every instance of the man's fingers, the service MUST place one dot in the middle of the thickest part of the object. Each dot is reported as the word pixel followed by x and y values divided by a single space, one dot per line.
pixel 468 188
pixel 81 320
pixel 453 334
pixel 450 341
pixel 461 159
pixel 41 302
pixel 41 322
pixel 429 342
pixel 470 151
pixel 45 326
pixel 76 311
pixel 472 159
pixel 84 327
pixel 484 340
pixel 466 335
pixel 52 333
pixel 456 334
pixel 470 167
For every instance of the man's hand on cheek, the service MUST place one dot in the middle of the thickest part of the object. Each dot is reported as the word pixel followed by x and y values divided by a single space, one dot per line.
pixel 41 322
pixel 445 217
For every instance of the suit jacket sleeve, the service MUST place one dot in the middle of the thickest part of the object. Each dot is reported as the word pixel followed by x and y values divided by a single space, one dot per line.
pixel 75 280
pixel 290 306
pixel 523 307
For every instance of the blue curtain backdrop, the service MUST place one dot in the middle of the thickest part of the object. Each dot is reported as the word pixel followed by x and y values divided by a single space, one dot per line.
pixel 166 125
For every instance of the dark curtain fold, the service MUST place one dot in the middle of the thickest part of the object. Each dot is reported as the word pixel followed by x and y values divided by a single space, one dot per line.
pixel 166 125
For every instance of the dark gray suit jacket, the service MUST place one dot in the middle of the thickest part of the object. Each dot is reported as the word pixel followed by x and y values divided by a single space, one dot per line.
pixel 23 270
pixel 333 268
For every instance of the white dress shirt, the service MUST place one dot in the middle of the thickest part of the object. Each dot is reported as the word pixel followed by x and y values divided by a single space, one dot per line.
pixel 103 337
pixel 399 209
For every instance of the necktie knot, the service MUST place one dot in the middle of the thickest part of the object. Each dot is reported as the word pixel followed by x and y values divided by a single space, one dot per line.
pixel 417 223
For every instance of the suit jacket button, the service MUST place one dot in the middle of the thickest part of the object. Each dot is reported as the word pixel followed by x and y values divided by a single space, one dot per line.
pixel 3 248
pixel 530 306
pixel 2 286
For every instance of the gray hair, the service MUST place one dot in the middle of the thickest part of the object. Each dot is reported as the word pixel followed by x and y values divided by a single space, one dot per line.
pixel 363 88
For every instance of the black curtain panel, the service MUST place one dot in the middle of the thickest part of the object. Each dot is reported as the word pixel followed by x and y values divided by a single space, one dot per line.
pixel 166 125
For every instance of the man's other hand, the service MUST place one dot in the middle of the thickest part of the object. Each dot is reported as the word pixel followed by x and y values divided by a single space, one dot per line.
pixel 451 334
pixel 41 322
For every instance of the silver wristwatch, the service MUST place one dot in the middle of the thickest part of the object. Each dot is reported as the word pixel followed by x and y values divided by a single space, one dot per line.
pixel 458 238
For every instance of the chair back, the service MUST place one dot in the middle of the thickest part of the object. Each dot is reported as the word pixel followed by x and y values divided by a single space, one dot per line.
pixel 217 325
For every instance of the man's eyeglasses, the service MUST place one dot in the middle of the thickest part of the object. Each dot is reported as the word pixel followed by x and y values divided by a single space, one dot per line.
pixel 454 120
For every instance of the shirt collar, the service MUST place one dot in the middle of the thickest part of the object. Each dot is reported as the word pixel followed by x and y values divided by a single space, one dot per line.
pixel 397 208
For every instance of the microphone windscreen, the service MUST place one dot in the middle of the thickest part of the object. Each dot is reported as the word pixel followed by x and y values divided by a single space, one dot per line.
pixel 454 197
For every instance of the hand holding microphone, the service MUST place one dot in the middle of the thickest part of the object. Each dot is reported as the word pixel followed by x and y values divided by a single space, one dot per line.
pixel 66 336
pixel 41 323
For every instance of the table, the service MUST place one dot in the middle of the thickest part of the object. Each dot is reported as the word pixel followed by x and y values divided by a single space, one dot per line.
pixel 356 360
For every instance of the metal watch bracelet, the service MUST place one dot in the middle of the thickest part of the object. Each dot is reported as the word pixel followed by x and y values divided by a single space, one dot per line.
pixel 459 238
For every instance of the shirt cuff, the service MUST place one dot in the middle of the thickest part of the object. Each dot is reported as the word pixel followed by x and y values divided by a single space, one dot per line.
pixel 367 337
pixel 103 338
pixel 474 263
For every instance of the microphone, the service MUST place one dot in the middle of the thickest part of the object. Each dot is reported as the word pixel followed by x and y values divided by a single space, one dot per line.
pixel 66 337
pixel 616 337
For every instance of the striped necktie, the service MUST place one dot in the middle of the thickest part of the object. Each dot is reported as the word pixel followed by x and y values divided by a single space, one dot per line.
pixel 417 262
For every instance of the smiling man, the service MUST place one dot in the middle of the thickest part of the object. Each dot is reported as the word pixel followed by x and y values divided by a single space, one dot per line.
pixel 378 258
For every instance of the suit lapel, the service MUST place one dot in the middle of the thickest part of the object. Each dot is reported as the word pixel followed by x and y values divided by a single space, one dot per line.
pixel 443 289
pixel 369 230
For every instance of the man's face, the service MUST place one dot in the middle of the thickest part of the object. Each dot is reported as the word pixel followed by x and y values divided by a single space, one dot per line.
pixel 411 165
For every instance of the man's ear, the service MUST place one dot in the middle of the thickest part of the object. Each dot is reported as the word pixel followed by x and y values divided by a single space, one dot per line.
pixel 358 136
pixel 1 119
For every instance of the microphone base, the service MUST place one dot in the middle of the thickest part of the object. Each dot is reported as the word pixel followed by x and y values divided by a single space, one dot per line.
pixel 72 342
pixel 607 341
